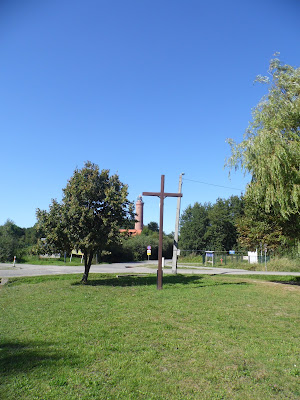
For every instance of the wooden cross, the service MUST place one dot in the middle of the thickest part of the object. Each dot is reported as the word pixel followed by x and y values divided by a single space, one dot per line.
pixel 162 196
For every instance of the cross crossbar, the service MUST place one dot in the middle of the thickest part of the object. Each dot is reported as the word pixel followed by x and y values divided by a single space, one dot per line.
pixel 162 195
pixel 158 194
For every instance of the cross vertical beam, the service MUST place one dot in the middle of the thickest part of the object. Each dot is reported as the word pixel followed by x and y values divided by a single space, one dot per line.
pixel 162 196
pixel 161 232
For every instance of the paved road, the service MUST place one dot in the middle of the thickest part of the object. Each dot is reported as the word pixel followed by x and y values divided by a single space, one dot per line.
pixel 145 267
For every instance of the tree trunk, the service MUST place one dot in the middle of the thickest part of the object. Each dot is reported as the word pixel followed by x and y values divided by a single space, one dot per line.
pixel 88 257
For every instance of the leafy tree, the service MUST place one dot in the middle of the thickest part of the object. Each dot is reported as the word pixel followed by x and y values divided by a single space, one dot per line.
pixel 256 228
pixel 135 248
pixel 11 241
pixel 153 226
pixel 194 222
pixel 270 151
pixel 150 229
pixel 31 236
pixel 221 234
pixel 54 230
pixel 93 207
pixel 211 227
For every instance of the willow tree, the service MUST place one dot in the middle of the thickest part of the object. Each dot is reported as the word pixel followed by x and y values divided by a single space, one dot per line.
pixel 93 207
pixel 270 151
pixel 256 227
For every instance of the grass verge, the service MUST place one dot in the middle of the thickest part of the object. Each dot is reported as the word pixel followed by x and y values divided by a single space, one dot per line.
pixel 275 264
pixel 35 260
pixel 201 337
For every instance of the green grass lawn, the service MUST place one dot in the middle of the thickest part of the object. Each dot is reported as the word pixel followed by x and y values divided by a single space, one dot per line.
pixel 201 337
pixel 35 260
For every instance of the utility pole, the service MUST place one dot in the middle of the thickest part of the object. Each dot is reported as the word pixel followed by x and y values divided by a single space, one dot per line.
pixel 162 195
pixel 175 244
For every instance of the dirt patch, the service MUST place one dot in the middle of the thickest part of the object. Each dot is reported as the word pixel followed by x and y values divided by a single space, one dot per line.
pixel 3 281
pixel 290 286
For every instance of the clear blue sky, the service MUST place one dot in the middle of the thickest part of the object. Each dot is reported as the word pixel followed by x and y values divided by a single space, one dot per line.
pixel 141 87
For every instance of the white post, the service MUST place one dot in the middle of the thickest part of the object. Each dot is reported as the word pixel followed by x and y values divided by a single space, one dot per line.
pixel 265 257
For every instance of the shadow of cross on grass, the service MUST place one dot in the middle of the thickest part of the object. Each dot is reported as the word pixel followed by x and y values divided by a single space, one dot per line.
pixel 18 356
pixel 138 280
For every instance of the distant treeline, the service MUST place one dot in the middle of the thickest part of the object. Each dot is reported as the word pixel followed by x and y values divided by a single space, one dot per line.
pixel 16 241
pixel 211 226
pixel 241 224
pixel 228 224
pixel 22 243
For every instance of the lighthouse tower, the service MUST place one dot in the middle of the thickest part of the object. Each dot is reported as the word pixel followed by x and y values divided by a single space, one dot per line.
pixel 139 209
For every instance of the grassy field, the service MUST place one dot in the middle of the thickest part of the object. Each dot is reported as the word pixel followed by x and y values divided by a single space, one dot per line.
pixel 201 337
pixel 35 260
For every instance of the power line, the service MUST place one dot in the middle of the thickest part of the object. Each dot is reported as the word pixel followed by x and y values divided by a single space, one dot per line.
pixel 212 184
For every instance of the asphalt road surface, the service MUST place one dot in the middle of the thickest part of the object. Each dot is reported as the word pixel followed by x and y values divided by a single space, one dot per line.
pixel 144 267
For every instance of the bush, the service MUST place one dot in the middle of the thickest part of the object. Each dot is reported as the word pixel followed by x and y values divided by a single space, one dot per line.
pixel 135 249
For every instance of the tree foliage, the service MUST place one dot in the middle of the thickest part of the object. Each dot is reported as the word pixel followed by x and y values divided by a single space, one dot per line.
pixel 153 226
pixel 150 229
pixel 270 151
pixel 210 227
pixel 256 228
pixel 221 234
pixel 93 207
pixel 194 223
pixel 135 248
pixel 53 227
pixel 15 241
pixel 11 240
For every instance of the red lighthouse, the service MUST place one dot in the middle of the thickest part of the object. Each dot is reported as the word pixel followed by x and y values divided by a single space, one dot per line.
pixel 139 210
pixel 138 227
